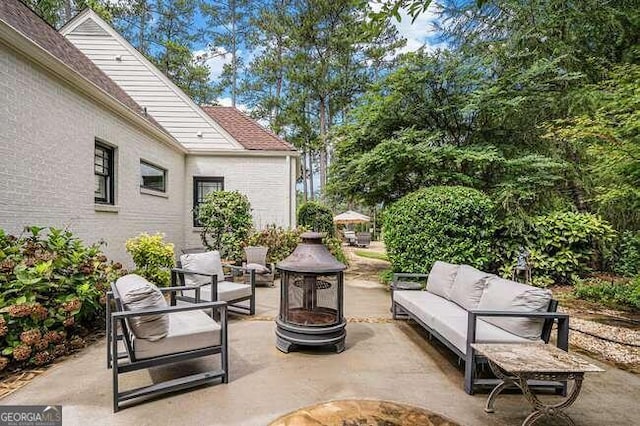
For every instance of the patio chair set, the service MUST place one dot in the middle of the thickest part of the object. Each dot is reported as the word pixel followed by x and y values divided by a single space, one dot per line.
pixel 145 331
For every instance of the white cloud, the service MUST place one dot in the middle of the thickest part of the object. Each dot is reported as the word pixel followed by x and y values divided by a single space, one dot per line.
pixel 417 32
pixel 215 62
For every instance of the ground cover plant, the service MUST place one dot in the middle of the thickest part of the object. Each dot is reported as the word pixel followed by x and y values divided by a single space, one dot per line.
pixel 52 291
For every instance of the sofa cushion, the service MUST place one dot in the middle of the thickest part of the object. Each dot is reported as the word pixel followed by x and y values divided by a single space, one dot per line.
pixel 468 287
pixel 505 295
pixel 136 293
pixel 207 263
pixel 425 305
pixel 188 330
pixel 260 269
pixel 453 328
pixel 441 278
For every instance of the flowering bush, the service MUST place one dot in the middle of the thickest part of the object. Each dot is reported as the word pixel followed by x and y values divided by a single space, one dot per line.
pixel 52 287
pixel 153 257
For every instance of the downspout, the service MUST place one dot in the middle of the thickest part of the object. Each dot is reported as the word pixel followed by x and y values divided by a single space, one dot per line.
pixel 289 205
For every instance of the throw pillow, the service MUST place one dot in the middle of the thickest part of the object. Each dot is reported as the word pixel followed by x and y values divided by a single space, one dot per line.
pixel 136 293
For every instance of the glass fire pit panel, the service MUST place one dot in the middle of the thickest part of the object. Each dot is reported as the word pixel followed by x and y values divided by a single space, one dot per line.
pixel 312 300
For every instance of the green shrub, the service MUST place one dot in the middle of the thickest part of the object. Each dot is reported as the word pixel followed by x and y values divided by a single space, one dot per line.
pixel 453 224
pixel 625 259
pixel 316 217
pixel 153 257
pixel 613 294
pixel 226 222
pixel 281 243
pixel 563 246
pixel 52 287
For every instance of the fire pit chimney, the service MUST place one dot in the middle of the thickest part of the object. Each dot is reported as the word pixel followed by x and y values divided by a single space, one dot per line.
pixel 311 297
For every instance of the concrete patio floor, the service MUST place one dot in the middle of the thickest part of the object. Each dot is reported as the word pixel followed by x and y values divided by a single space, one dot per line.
pixel 383 360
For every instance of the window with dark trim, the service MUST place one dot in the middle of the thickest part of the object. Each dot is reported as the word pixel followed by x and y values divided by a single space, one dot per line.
pixel 201 187
pixel 153 177
pixel 103 170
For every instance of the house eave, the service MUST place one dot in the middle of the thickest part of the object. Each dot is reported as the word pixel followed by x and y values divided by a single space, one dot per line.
pixel 21 43
pixel 243 153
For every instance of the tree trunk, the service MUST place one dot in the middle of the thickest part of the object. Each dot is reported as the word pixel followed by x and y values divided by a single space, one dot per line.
pixel 143 22
pixel 305 184
pixel 323 144
pixel 311 185
pixel 68 11
pixel 234 48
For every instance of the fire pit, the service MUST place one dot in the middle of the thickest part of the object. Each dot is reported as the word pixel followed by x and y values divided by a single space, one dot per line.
pixel 311 297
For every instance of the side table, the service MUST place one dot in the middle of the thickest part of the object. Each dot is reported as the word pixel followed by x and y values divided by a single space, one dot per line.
pixel 516 363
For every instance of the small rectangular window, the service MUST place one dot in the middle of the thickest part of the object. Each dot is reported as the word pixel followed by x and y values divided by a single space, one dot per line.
pixel 152 177
pixel 103 170
pixel 201 187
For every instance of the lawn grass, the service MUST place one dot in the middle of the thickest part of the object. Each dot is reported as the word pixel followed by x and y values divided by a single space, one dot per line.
pixel 372 255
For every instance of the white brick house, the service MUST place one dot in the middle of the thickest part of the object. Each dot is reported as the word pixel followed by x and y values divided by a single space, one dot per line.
pixel 78 150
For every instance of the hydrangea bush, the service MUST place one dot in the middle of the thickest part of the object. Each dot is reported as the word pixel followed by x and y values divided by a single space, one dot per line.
pixel 52 289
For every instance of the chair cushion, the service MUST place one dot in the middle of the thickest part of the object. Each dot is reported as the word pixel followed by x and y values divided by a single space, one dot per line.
pixel 136 293
pixel 454 329
pixel 441 278
pixel 468 287
pixel 188 331
pixel 425 305
pixel 227 291
pixel 207 263
pixel 260 269
pixel 506 295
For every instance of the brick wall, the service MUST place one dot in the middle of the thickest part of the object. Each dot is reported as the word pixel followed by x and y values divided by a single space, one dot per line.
pixel 47 133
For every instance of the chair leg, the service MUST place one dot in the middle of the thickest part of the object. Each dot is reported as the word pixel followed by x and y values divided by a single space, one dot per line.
pixel 469 371
pixel 224 353
pixel 114 366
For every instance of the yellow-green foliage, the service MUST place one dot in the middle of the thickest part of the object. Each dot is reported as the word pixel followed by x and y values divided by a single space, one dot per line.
pixel 153 257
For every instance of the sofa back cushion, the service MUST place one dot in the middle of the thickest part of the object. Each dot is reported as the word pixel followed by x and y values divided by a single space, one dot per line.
pixel 468 287
pixel 136 293
pixel 441 278
pixel 506 295
pixel 206 263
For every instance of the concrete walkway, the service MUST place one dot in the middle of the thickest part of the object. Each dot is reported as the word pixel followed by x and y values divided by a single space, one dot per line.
pixel 383 360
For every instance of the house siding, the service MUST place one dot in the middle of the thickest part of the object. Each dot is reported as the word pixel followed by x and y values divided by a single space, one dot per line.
pixel 264 180
pixel 46 163
pixel 183 119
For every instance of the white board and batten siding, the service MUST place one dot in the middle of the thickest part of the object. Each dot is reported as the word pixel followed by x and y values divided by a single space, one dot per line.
pixel 164 101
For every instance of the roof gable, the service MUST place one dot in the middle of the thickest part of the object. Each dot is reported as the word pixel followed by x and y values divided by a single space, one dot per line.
pixel 24 20
pixel 147 85
pixel 245 130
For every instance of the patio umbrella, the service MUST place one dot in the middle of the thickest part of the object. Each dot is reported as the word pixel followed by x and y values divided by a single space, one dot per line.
pixel 351 217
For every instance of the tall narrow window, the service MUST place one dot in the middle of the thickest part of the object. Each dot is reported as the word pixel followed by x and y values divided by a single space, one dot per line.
pixel 201 187
pixel 103 169
pixel 152 177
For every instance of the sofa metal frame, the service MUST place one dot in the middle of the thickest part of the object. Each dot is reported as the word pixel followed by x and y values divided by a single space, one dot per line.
pixel 471 359
pixel 118 331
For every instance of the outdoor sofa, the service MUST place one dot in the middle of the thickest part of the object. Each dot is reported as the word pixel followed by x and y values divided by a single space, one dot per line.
pixel 462 305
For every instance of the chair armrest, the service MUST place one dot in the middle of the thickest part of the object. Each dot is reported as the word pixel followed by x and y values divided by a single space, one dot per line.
pixel 170 309
pixel 408 275
pixel 189 272
pixel 181 288
pixel 563 323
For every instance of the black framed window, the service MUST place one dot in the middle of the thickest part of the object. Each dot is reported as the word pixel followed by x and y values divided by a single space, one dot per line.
pixel 201 187
pixel 153 177
pixel 103 170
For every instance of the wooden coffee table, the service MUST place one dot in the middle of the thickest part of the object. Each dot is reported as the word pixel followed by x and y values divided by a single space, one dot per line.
pixel 516 363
